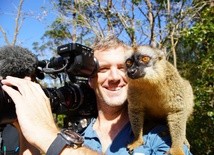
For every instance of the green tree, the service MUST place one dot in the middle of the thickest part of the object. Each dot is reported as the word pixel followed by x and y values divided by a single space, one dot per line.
pixel 197 63
pixel 136 22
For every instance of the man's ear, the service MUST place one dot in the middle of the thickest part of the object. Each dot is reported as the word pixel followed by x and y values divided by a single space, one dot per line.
pixel 90 83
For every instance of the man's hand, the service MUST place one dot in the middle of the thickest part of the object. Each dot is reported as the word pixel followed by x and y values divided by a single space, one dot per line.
pixel 33 111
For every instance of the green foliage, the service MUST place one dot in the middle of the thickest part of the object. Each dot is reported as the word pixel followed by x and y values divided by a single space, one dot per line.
pixel 200 130
pixel 136 2
pixel 59 120
pixel 203 31
pixel 198 42
pixel 58 30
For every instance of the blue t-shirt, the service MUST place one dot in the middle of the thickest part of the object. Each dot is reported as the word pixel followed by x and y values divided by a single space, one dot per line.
pixel 157 141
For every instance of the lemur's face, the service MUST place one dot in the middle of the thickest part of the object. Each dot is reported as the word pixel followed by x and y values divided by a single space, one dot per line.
pixel 142 63
pixel 137 64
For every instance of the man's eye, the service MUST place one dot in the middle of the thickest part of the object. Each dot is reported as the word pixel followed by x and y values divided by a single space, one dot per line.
pixel 129 63
pixel 144 59
pixel 103 70
pixel 122 68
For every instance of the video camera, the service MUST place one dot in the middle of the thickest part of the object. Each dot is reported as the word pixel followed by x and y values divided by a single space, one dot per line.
pixel 75 97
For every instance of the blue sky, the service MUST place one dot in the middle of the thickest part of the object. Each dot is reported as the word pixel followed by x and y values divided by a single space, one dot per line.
pixel 34 25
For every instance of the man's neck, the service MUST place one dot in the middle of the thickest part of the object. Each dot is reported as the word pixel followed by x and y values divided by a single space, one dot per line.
pixel 109 124
pixel 105 119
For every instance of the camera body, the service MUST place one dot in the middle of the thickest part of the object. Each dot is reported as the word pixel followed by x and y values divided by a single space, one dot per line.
pixel 80 60
pixel 75 98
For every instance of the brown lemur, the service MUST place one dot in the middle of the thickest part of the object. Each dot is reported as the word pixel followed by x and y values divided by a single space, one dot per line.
pixel 156 90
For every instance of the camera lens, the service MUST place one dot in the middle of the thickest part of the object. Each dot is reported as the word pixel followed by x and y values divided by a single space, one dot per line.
pixel 64 99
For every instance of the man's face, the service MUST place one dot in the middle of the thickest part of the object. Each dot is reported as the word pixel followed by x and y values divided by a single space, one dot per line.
pixel 110 84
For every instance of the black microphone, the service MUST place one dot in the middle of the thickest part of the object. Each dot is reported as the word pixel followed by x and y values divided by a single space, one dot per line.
pixel 17 61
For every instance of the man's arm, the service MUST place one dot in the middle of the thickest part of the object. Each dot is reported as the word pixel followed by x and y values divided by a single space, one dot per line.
pixel 34 115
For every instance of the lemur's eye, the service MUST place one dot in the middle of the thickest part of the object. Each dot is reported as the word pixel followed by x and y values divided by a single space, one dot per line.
pixel 129 62
pixel 144 59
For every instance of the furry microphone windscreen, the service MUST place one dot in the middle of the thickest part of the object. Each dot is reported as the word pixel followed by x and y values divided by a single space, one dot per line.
pixel 17 61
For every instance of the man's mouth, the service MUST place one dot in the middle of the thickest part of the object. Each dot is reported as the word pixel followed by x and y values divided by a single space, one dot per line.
pixel 114 89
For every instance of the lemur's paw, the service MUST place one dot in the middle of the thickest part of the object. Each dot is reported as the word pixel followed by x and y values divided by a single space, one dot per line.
pixel 175 151
pixel 135 144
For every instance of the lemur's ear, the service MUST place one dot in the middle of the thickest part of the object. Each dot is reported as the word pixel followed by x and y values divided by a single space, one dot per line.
pixel 129 53
pixel 153 44
pixel 162 53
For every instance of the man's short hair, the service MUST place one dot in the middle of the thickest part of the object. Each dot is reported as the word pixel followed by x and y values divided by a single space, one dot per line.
pixel 108 41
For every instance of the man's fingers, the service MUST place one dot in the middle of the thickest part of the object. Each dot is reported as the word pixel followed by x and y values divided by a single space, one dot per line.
pixel 24 85
pixel 14 94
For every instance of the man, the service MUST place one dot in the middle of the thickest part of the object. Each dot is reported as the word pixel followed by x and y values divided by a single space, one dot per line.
pixel 109 133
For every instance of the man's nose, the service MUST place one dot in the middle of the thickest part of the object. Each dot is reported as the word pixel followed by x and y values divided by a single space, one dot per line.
pixel 114 74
